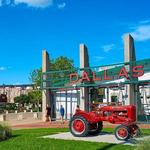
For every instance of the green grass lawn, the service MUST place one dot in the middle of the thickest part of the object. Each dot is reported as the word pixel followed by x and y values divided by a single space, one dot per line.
pixel 30 139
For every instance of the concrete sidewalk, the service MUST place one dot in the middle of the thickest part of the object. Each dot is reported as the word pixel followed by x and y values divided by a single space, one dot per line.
pixel 37 123
pixel 56 124
pixel 102 137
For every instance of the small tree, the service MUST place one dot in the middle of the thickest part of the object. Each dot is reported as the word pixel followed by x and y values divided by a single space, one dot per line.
pixel 22 99
pixel 35 96
pixel 35 77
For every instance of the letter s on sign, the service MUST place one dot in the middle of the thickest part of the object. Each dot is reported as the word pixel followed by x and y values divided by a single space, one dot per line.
pixel 138 71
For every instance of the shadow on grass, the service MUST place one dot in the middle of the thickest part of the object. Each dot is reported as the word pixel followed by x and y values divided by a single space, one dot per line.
pixel 16 135
pixel 9 138
pixel 106 147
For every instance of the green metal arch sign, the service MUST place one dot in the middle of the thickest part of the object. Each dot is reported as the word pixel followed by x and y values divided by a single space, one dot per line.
pixel 120 73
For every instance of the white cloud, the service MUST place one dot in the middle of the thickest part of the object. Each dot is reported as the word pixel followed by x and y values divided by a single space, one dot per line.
pixel 99 58
pixel 141 33
pixel 30 3
pixel 3 68
pixel 17 83
pixel 144 21
pixel 62 5
pixel 35 3
pixel 108 47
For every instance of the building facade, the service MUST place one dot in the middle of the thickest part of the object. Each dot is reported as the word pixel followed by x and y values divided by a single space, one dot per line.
pixel 11 91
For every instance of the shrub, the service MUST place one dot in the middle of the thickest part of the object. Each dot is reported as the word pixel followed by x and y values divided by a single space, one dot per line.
pixel 5 132
pixel 143 145
pixel 35 109
pixel 11 106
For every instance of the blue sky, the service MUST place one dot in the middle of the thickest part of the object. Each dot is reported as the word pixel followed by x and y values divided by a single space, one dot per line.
pixel 59 26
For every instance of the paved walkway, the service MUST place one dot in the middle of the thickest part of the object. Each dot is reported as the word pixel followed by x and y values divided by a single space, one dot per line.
pixel 54 124
pixel 37 123
pixel 58 124
pixel 102 137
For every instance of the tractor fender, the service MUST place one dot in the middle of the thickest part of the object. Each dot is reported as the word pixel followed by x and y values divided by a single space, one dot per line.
pixel 91 117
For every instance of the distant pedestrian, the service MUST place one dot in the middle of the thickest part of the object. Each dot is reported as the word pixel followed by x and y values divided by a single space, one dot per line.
pixel 48 113
pixel 62 112
pixel 77 108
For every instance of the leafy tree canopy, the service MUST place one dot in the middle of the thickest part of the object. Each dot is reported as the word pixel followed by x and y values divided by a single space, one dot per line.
pixel 35 96
pixel 22 99
pixel 60 63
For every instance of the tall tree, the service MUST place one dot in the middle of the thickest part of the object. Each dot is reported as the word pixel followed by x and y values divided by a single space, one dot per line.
pixel 58 64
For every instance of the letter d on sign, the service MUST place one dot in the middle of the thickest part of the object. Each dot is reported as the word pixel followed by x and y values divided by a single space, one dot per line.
pixel 73 77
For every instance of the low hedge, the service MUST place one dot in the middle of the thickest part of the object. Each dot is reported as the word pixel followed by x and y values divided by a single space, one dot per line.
pixel 5 132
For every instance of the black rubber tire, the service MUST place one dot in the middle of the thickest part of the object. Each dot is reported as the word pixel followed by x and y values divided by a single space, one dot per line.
pixel 137 133
pixel 86 124
pixel 97 130
pixel 119 137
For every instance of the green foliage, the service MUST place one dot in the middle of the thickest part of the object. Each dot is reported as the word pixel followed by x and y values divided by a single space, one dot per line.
pixel 35 76
pixel 22 99
pixel 60 63
pixel 11 106
pixel 31 139
pixel 5 132
pixel 35 109
pixel 143 145
pixel 2 107
pixel 35 96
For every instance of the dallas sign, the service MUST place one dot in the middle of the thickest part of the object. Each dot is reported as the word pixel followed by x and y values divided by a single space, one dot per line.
pixel 137 71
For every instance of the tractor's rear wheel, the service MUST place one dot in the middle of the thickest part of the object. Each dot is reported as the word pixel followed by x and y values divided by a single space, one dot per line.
pixel 79 126
pixel 95 128
pixel 135 131
pixel 122 132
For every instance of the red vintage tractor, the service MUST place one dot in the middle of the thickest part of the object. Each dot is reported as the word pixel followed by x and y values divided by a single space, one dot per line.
pixel 84 123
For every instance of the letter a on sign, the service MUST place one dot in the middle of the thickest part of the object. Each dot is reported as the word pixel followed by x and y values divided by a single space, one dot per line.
pixel 123 72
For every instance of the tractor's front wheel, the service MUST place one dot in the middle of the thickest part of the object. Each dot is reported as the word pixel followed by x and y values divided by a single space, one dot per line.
pixel 79 126
pixel 122 132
